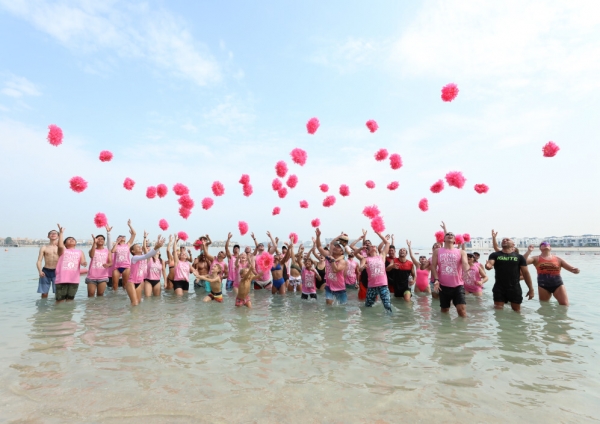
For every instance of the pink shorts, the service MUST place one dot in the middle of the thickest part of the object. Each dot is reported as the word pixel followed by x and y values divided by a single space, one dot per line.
pixel 473 288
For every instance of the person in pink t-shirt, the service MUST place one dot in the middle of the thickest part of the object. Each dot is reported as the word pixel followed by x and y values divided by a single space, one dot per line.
pixel 447 267
pixel 231 258
pixel 100 264
pixel 139 268
pixel 375 266
pixel 122 262
pixel 68 267
pixel 335 268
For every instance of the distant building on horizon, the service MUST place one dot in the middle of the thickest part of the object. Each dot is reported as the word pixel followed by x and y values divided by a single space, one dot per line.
pixel 586 240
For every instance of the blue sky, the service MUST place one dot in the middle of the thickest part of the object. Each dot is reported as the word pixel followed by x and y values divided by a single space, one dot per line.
pixel 195 92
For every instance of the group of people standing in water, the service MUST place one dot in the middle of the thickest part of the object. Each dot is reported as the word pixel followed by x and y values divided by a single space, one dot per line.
pixel 372 270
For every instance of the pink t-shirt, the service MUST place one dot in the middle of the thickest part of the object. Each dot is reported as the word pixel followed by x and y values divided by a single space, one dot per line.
pixel 376 271
pixel 449 267
pixel 263 274
pixel 122 256
pixel 471 277
pixel 308 281
pixel 182 271
pixel 67 268
pixel 138 271
pixel 97 270
pixel 351 272
pixel 335 280
pixel 231 272
pixel 154 269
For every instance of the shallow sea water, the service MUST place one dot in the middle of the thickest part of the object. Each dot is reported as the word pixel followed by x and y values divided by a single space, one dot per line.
pixel 286 360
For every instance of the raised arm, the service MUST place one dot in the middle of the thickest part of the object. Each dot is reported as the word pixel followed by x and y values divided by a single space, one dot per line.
pixel 319 246
pixel 159 242
pixel 169 247
pixel 494 241
pixel 227 252
pixel 132 232
pixel 530 260
pixel 108 239
pixel 386 245
pixel 61 241
pixel 255 244
pixel 93 249
pixel 443 225
pixel 410 252
pixel 174 253
pixel 273 242
pixel 144 244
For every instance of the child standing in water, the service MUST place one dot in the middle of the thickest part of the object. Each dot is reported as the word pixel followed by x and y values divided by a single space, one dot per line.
pixel 122 261
pixel 68 267
pixel 100 264
pixel 243 293
pixel 214 279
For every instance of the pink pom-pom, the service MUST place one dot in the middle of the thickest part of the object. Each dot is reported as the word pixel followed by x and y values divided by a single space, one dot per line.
pixel 294 238
pixel 315 222
pixel 245 179
pixel 207 203
pixel 276 210
pixel 458 239
pixel 299 156
pixel 243 227
pixel 55 135
pixel 163 224
pixel 292 181
pixel 481 188
pixel 550 149
pixel 78 184
pixel 264 261
pixel 329 201
pixel 186 201
pixel 128 183
pixel 106 156
pixel 437 186
pixel 424 205
pixel 344 190
pixel 218 189
pixel 282 192
pixel 371 211
pixel 324 188
pixel 312 125
pixel 185 212
pixel 439 236
pixel 370 184
pixel 377 224
pixel 180 189
pixel 198 244
pixel 393 185
pixel 161 190
pixel 151 192
pixel 449 92
pixel 466 237
pixel 395 161
pixel 276 184
pixel 303 204
pixel 372 125
pixel 381 154
pixel 182 235
pixel 281 169
pixel 100 220
pixel 248 190
pixel 455 179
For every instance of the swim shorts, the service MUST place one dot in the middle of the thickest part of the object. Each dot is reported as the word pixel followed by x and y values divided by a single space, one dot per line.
pixel 47 281
pixel 66 291
pixel 240 302
pixel 508 294
pixel 216 296
pixel 99 281
pixel 181 284
pixel 454 295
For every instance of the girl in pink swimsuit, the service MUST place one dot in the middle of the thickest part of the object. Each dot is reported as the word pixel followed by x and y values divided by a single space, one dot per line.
pixel 475 278
pixel 122 259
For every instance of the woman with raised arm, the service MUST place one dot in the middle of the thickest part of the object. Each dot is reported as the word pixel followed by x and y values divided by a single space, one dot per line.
pixel 375 265
pixel 231 259
pixel 319 266
pixel 335 268
pixel 139 269
pixel 277 269
pixel 155 269
pixel 70 261
pixel 100 264
pixel 134 285
pixel 295 281
pixel 422 268
pixel 548 268
pixel 122 258
pixel 183 269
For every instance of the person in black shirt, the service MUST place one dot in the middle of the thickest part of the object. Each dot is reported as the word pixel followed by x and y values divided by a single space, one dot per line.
pixel 508 266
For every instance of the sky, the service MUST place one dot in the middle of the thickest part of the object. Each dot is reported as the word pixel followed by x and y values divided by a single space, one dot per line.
pixel 197 92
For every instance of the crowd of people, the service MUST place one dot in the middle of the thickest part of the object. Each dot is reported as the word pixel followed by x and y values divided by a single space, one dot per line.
pixel 373 271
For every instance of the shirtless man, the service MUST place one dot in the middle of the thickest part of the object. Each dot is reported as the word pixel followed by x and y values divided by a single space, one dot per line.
pixel 214 279
pixel 202 265
pixel 47 274
pixel 243 294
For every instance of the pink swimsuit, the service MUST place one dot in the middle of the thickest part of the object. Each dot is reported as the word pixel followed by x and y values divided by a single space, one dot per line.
pixel 471 278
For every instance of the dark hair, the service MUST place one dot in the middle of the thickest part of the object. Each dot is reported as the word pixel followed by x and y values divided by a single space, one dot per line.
pixel 65 240
pixel 237 245
pixel 100 235
pixel 52 231
pixel 476 253
pixel 470 255
pixel 132 246
pixel 392 247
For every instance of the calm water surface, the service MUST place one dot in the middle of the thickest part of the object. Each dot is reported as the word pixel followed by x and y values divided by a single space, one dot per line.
pixel 286 360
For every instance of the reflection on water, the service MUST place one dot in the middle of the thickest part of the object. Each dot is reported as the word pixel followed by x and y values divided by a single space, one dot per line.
pixel 286 360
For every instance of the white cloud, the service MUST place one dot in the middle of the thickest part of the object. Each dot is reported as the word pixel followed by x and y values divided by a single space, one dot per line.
pixel 131 31
pixel 230 113
pixel 553 44
pixel 350 54
pixel 16 86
